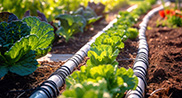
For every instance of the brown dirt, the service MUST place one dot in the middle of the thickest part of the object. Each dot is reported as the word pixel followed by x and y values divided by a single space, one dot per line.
pixel 165 58
pixel 127 55
pixel 12 85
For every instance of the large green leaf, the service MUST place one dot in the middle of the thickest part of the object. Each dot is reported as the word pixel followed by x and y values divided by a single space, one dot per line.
pixel 42 51
pixel 26 65
pixel 87 90
pixel 70 24
pixel 12 32
pixel 80 21
pixel 102 54
pixel 66 17
pixel 93 19
pixel 3 70
pixel 43 30
pixel 104 71
pixel 21 48
pixel 20 58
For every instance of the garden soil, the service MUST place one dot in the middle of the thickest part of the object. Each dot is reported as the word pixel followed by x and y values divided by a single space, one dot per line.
pixel 165 57
pixel 164 78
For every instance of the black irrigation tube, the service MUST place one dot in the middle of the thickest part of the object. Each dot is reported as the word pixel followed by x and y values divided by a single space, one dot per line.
pixel 141 62
pixel 50 88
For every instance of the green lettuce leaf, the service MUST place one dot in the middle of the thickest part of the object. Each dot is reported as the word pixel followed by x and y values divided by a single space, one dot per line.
pixel 26 65
pixel 114 41
pixel 43 31
pixel 102 54
pixel 133 33
pixel 70 24
pixel 20 58
pixel 87 90
pixel 21 42
pixel 93 19
pixel 12 32
pixel 117 80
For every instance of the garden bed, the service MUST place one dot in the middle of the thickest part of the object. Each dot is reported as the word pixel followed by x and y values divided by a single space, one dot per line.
pixel 165 58
pixel 23 86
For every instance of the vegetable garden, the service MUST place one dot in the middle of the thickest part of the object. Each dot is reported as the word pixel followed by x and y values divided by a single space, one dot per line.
pixel 138 54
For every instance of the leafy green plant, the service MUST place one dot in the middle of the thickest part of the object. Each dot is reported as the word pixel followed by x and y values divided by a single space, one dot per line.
pixel 102 54
pixel 87 90
pixel 143 8
pixel 114 41
pixel 21 42
pixel 118 80
pixel 175 21
pixel 76 22
pixel 70 24
pixel 88 14
pixel 133 33
pixel 127 18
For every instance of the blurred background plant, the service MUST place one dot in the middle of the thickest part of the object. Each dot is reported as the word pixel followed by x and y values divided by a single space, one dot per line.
pixel 51 8
pixel 172 15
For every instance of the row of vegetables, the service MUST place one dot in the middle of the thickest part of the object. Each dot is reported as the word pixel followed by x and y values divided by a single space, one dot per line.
pixel 101 77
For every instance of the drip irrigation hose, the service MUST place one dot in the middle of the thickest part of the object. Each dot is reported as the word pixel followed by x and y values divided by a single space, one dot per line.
pixel 141 62
pixel 50 88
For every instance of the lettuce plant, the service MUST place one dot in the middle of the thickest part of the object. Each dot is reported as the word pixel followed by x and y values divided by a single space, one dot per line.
pixel 114 41
pixel 118 79
pixel 88 14
pixel 87 90
pixel 70 24
pixel 21 42
pixel 75 22
pixel 103 54
pixel 133 33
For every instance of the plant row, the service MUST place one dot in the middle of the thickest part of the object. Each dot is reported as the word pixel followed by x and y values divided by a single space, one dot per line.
pixel 101 77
